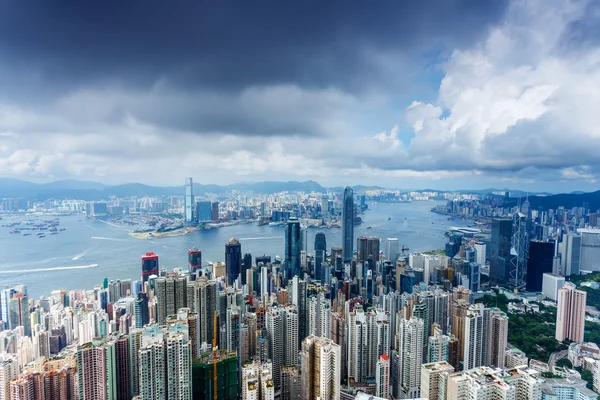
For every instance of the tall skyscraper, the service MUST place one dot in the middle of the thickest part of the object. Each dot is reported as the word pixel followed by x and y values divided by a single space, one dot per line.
pixel 498 338
pixel 170 293
pixel 202 300
pixel 410 349
pixel 142 315
pixel 321 365
pixel 347 224
pixel 19 312
pixel 571 260
pixel 282 335
pixel 9 370
pixel 382 377
pixel 541 256
pixel 194 261
pixel 293 247
pixel 320 253
pixel 152 364
pixel 300 301
pixel 149 265
pixel 91 371
pixel 215 211
pixel 500 246
pixel 439 346
pixel 392 249
pixel 476 330
pixel 324 206
pixel 179 362
pixel 570 313
pixel 189 201
pixel 233 260
pixel 203 212
pixel 519 251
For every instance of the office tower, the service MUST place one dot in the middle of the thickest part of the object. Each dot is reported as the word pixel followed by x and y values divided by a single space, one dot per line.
pixel 519 251
pixel 347 224
pixel 203 211
pixel 149 265
pixel 202 300
pixel 550 285
pixel 453 246
pixel 541 255
pixel 410 352
pixel 500 246
pixel 480 249
pixel 321 365
pixel 570 313
pixel 368 251
pixel 246 266
pixel 439 346
pixel 472 272
pixel 215 211
pixel 293 246
pixel 590 249
pixel 142 315
pixel 189 201
pixel 434 376
pixel 392 249
pixel 571 260
pixel 300 301
pixel 19 312
pixel 320 253
pixel 91 371
pixel 179 362
pixel 291 384
pixel 170 293
pixel 8 371
pixel 194 261
pixel 382 378
pixel 152 364
pixel 498 338
pixel 233 260
pixel 324 206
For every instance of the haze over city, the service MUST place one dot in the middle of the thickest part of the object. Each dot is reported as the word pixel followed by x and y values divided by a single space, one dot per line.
pixel 452 94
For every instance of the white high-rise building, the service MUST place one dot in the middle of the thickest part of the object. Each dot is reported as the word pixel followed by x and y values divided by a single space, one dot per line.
pixel 321 367
pixel 480 249
pixel 179 362
pixel 282 334
pixel 257 381
pixel 434 377
pixel 550 285
pixel 8 372
pixel 476 322
pixel 189 200
pixel 570 314
pixel 382 378
pixel 392 249
pixel 357 340
pixel 152 364
pixel 410 348
pixel 319 318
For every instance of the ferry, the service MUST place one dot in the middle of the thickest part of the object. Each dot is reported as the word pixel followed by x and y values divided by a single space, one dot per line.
pixel 27 234
pixel 14 231
pixel 54 233
pixel 41 236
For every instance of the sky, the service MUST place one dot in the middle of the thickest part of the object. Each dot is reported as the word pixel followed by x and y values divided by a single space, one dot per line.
pixel 447 94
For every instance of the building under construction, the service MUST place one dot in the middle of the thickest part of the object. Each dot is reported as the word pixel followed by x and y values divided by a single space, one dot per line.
pixel 227 376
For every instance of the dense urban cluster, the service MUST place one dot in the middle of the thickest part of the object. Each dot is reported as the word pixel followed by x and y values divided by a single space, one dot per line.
pixel 364 320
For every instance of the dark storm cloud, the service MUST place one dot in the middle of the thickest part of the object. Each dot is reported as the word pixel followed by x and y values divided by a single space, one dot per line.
pixel 226 45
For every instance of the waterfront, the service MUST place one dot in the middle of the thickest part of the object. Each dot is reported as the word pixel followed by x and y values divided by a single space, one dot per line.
pixel 40 263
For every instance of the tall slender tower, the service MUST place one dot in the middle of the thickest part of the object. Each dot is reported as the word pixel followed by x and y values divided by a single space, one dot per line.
pixel 410 348
pixel 320 250
pixel 347 224
pixel 498 338
pixel 519 251
pixel 293 246
pixel 189 200
pixel 321 365
pixel 570 314
pixel 233 260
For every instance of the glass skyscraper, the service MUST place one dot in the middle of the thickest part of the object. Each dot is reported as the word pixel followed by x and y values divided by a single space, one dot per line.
pixel 320 249
pixel 233 260
pixel 293 247
pixel 500 250
pixel 189 200
pixel 347 224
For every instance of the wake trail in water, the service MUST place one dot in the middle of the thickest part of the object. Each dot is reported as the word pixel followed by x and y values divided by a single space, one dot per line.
pixel 19 271
pixel 107 238
pixel 262 238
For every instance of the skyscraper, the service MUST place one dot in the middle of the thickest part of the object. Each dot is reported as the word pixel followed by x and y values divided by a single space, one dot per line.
pixel 152 364
pixel 189 201
pixel 142 316
pixel 320 253
pixel 347 224
pixel 19 312
pixel 203 211
pixel 91 371
pixel 321 365
pixel 233 260
pixel 194 261
pixel 519 251
pixel 410 349
pixel 293 247
pixel 149 265
pixel 439 346
pixel 202 300
pixel 571 260
pixel 392 249
pixel 171 294
pixel 433 380
pixel 500 250
pixel 282 334
pixel 541 255
pixel 179 362
pixel 498 338
pixel 570 313
pixel 382 377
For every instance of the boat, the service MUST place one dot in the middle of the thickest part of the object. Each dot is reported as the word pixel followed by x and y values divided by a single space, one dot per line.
pixel 27 234
pixel 42 236
pixel 63 229
pixel 54 233
pixel 369 227
pixel 14 231
pixel 389 218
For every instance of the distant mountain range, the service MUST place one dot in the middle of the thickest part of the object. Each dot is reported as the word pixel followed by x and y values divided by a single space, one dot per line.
pixel 86 190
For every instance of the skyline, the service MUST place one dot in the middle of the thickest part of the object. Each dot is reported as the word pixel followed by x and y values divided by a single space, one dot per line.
pixel 437 94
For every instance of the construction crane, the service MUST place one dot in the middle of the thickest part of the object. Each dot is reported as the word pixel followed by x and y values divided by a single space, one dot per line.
pixel 214 346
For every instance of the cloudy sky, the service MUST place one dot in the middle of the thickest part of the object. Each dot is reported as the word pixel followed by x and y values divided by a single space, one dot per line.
pixel 446 94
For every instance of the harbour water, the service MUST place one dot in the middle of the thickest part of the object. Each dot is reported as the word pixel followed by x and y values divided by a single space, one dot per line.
pixel 64 260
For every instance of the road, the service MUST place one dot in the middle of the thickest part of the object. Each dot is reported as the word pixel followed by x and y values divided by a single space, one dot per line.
pixel 557 355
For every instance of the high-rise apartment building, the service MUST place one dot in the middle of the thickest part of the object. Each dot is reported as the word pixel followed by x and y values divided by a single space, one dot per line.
pixel 170 293
pixel 152 364
pixel 382 377
pixel 321 366
pixel 179 362
pixel 8 371
pixel 347 224
pixel 498 339
pixel 233 260
pixel 202 300
pixel 293 247
pixel 91 371
pixel 570 313
pixel 282 336
pixel 410 351
pixel 434 377
pixel 19 312
pixel 439 346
